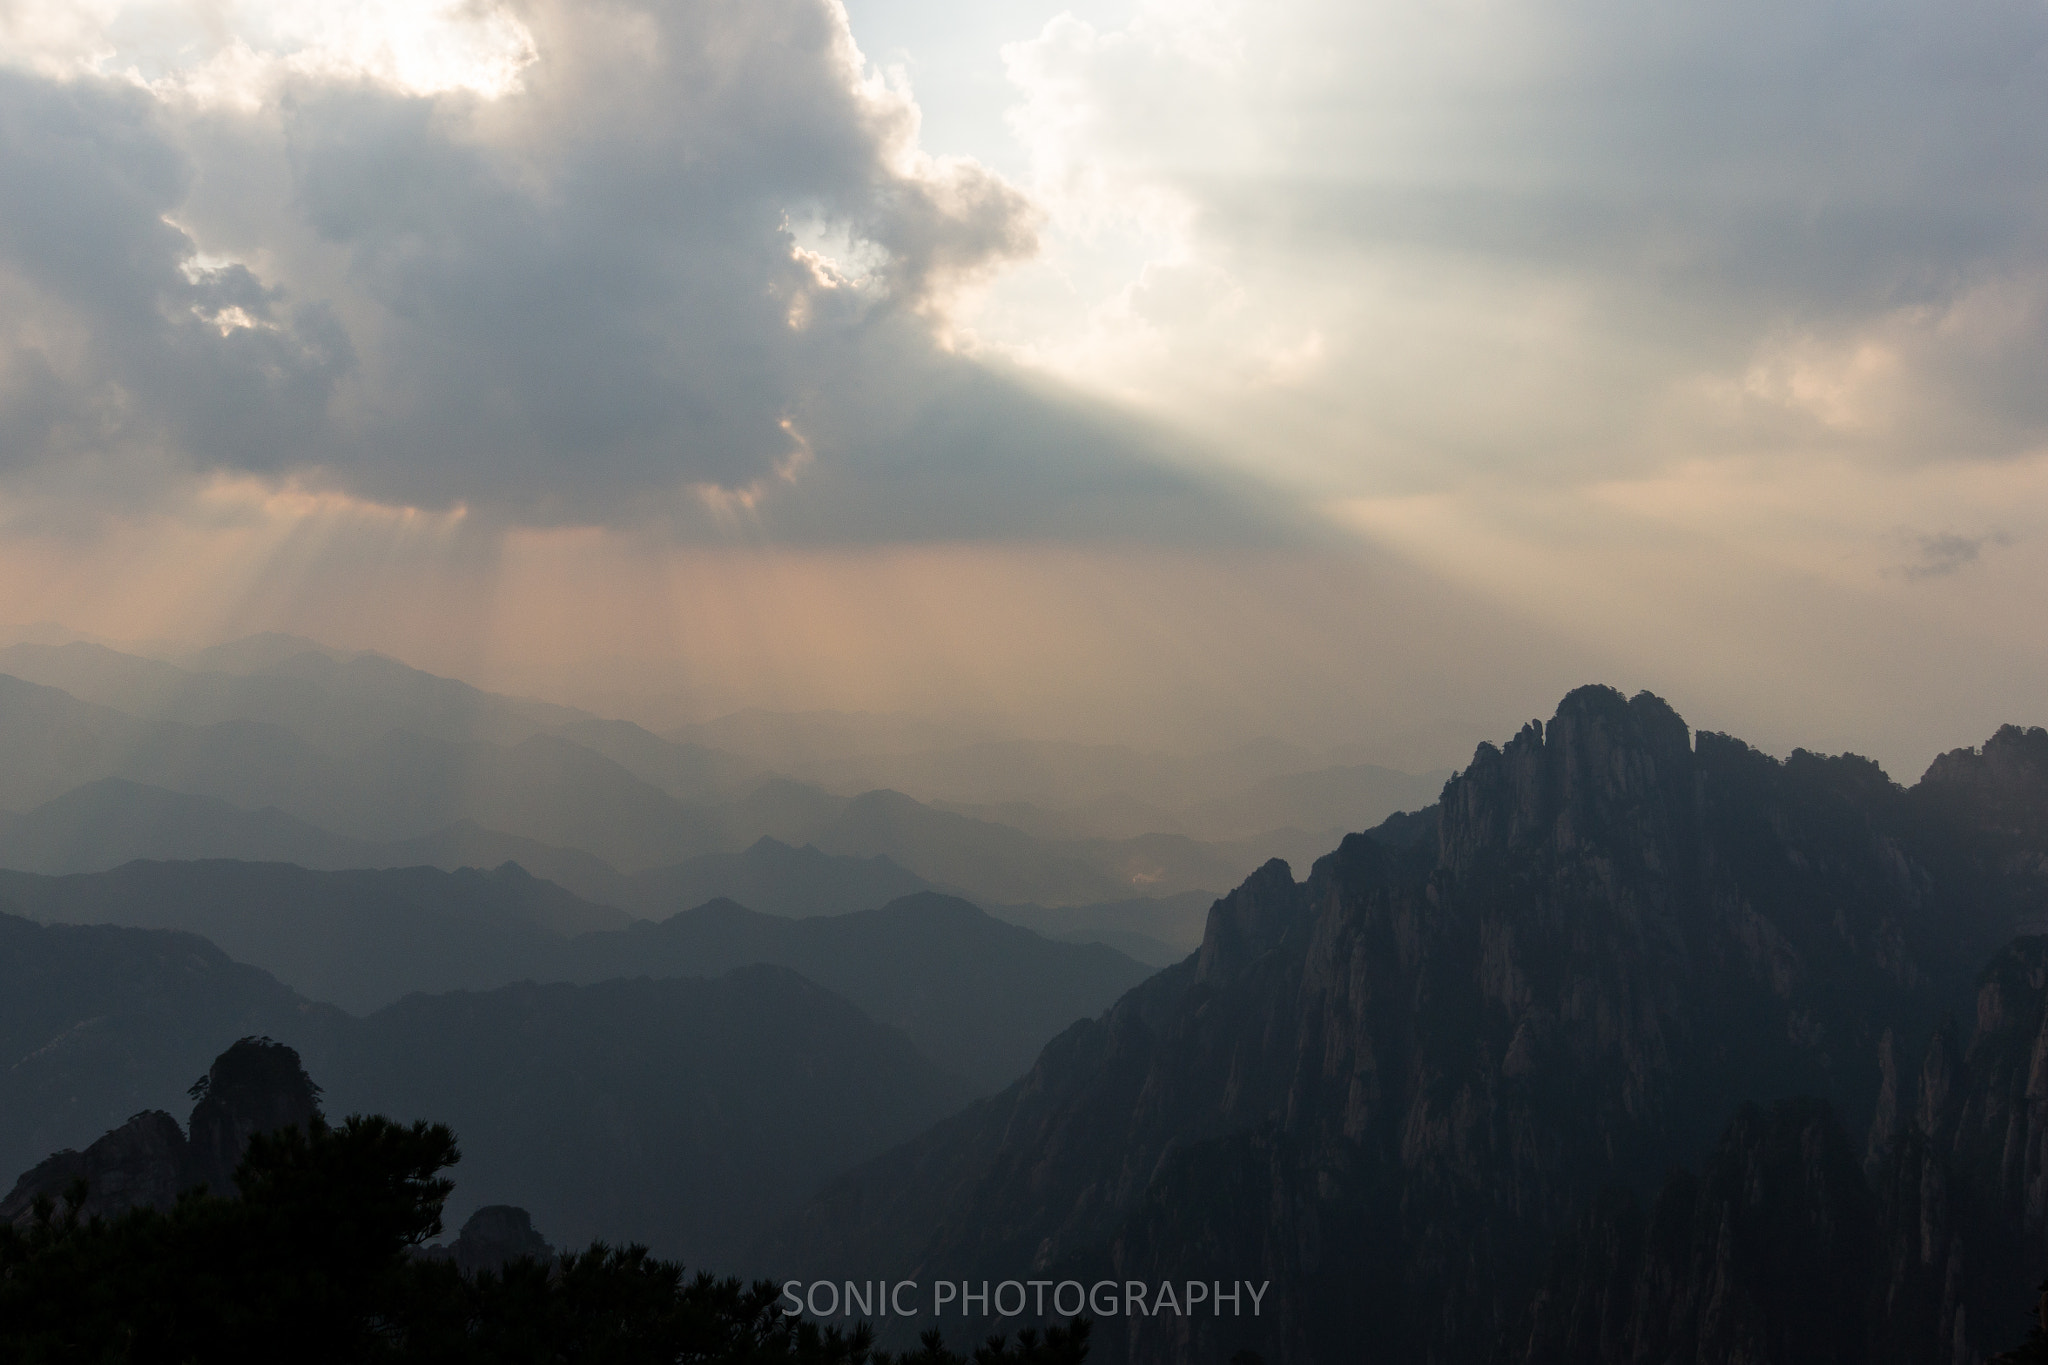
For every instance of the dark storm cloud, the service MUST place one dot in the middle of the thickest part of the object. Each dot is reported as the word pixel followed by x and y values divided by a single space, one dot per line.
pixel 577 303
pixel 113 334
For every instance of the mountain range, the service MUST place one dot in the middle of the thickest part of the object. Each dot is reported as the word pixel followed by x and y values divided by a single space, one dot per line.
pixel 977 995
pixel 1419 1090
pixel 1634 1046
pixel 367 751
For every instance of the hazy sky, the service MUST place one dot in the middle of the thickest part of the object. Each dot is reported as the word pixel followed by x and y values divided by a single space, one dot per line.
pixel 1166 371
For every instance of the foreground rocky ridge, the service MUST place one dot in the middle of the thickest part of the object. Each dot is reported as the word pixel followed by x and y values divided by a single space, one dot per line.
pixel 1400 1088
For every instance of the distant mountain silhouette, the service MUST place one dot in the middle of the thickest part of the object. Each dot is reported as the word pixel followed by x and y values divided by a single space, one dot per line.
pixel 370 750
pixel 50 741
pixel 257 653
pixel 775 879
pixel 358 939
pixel 359 744
pixel 1395 1089
pixel 979 996
pixel 104 824
pixel 1157 931
pixel 397 787
pixel 112 821
pixel 402 786
pixel 330 698
pixel 985 860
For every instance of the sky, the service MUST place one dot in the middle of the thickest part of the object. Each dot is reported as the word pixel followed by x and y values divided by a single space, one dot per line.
pixel 1161 372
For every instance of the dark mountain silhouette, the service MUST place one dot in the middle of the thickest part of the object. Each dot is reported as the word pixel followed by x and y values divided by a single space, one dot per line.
pixel 977 995
pixel 358 939
pixel 1392 1089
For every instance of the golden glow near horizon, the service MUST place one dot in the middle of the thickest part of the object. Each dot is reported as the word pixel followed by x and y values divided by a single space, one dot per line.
pixel 1558 379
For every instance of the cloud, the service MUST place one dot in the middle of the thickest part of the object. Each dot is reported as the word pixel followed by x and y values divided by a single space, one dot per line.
pixel 1946 552
pixel 544 264
pixel 1553 242
pixel 118 334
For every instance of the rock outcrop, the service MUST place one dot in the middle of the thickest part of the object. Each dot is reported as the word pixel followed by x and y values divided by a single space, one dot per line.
pixel 492 1238
pixel 256 1086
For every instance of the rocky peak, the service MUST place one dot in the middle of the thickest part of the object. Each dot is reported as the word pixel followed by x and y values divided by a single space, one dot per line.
pixel 141 1164
pixel 493 1237
pixel 2014 758
pixel 1393 1086
pixel 2004 783
pixel 256 1086
pixel 1607 772
pixel 1251 921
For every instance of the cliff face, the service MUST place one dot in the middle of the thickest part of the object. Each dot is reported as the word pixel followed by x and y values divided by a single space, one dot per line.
pixel 1765 1255
pixel 1961 1163
pixel 1927 1253
pixel 256 1086
pixel 1391 1088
